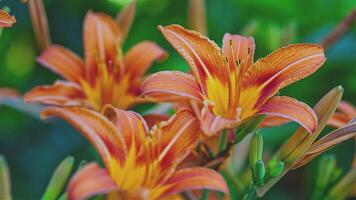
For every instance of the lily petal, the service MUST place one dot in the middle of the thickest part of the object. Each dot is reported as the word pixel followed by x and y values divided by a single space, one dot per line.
pixel 292 109
pixel 130 124
pixel 125 18
pixel 154 119
pixel 348 109
pixel 193 179
pixel 270 121
pixel 328 141
pixel 101 37
pixel 89 181
pixel 239 50
pixel 61 93
pixel 203 55
pixel 63 62
pixel 338 120
pixel 176 138
pixel 6 20
pixel 39 23
pixel 141 56
pixel 8 93
pixel 171 85
pixel 103 135
pixel 212 124
pixel 277 70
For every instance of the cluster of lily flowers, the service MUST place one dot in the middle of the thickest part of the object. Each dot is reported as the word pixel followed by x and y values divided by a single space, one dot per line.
pixel 222 102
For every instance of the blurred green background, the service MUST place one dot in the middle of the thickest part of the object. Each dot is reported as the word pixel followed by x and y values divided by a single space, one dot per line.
pixel 33 147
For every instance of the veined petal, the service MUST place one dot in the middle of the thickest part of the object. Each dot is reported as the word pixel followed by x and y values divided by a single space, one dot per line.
pixel 203 55
pixel 101 37
pixel 89 181
pixel 239 50
pixel 292 109
pixel 6 20
pixel 193 179
pixel 63 62
pixel 277 70
pixel 141 56
pixel 103 135
pixel 169 86
pixel 131 125
pixel 328 141
pixel 125 18
pixel 176 137
pixel 270 121
pixel 154 119
pixel 212 124
pixel 59 94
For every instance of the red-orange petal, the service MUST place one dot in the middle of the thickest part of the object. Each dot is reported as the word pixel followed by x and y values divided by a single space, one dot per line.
pixel 171 86
pixel 141 56
pixel 277 70
pixel 63 62
pixel 130 124
pixel 194 179
pixel 39 23
pixel 89 181
pixel 348 109
pixel 176 138
pixel 203 55
pixel 270 121
pixel 239 50
pixel 6 20
pixel 125 18
pixel 212 124
pixel 154 119
pixel 292 109
pixel 8 93
pixel 101 39
pixel 103 134
pixel 61 93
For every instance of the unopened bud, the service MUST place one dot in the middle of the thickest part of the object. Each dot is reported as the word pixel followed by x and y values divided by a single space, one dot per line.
pixel 256 149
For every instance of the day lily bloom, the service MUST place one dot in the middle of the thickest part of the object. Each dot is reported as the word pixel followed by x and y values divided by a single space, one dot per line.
pixel 104 76
pixel 6 20
pixel 344 114
pixel 227 86
pixel 139 163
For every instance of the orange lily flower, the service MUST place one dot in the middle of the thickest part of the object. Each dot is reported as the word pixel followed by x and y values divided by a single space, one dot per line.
pixel 104 77
pixel 346 112
pixel 227 87
pixel 6 20
pixel 139 164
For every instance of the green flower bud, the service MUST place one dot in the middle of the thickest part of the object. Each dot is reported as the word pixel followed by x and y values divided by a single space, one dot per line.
pixel 256 149
pixel 275 168
pixel 259 172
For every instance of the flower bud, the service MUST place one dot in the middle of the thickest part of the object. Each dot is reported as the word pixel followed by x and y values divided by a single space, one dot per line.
pixel 259 172
pixel 256 149
pixel 275 168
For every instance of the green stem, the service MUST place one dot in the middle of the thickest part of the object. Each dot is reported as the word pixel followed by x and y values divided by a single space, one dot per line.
pixel 222 141
pixel 251 193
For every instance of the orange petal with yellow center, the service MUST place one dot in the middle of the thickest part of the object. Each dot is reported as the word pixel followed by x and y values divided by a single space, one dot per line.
pixel 203 55
pixel 212 124
pixel 63 62
pixel 292 109
pixel 89 181
pixel 61 93
pixel 141 56
pixel 277 70
pixel 101 39
pixel 195 178
pixel 103 134
pixel 171 86
pixel 6 20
